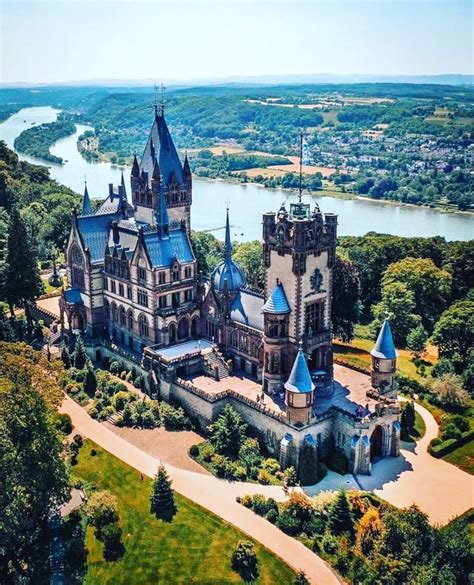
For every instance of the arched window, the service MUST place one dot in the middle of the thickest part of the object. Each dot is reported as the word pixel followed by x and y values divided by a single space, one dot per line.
pixel 122 316
pixel 172 333
pixel 76 263
pixel 143 326
pixel 114 313
pixel 183 328
pixel 107 309
pixel 130 319
pixel 141 269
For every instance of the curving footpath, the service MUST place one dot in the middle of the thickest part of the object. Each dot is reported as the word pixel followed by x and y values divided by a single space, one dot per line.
pixel 217 496
pixel 438 488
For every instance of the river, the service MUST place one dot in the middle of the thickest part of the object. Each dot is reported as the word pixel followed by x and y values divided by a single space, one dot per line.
pixel 247 202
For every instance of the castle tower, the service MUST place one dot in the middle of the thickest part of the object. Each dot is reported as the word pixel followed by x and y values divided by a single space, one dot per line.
pixel 276 312
pixel 384 362
pixel 160 170
pixel 299 390
pixel 299 250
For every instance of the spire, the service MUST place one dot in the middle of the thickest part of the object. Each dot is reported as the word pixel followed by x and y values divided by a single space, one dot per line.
pixel 122 190
pixel 156 171
pixel 300 378
pixel 135 167
pixel 186 167
pixel 86 202
pixel 384 347
pixel 228 243
pixel 162 220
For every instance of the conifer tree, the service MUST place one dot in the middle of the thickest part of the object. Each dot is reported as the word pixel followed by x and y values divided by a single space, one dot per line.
pixel 301 579
pixel 407 417
pixel 340 515
pixel 90 381
pixel 80 355
pixel 65 357
pixel 162 496
pixel 22 279
pixel 309 464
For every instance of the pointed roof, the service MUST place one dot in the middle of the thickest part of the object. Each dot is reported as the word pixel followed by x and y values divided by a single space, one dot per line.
pixel 160 145
pixel 228 243
pixel 86 202
pixel 300 378
pixel 384 347
pixel 135 167
pixel 186 166
pixel 277 303
pixel 156 171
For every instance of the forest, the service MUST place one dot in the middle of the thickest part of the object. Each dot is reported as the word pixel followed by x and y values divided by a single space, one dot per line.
pixel 36 141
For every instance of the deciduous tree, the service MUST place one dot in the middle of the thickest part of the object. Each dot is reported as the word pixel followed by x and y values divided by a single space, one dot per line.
pixel 345 299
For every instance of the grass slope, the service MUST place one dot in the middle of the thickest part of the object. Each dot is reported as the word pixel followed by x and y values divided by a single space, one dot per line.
pixel 196 547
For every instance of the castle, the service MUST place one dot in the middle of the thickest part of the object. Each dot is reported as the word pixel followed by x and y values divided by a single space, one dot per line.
pixel 135 291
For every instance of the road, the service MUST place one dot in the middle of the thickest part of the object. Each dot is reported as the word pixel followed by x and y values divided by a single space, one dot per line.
pixel 217 496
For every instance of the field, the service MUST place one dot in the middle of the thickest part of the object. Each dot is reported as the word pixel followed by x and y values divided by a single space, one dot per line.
pixel 195 547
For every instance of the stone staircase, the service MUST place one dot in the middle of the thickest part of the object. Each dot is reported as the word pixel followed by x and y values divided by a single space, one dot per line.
pixel 216 364
pixel 113 418
pixel 54 338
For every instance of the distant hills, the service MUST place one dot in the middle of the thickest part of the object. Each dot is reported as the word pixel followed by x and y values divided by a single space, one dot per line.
pixel 317 78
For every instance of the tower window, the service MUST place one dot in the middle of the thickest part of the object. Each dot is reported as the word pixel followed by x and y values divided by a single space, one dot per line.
pixel 314 317
pixel 141 274
pixel 121 289
pixel 161 277
pixel 142 297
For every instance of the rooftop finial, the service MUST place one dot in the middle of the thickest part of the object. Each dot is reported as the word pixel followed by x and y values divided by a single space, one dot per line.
pixel 300 188
pixel 228 242
pixel 86 202
pixel 162 93
pixel 155 104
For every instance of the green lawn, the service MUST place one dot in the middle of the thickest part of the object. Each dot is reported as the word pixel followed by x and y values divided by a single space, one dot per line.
pixel 196 547
pixel 463 457
pixel 418 430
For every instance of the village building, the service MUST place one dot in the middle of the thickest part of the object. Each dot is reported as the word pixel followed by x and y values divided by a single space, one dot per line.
pixel 135 292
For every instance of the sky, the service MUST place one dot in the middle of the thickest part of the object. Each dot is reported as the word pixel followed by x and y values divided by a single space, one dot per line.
pixel 68 40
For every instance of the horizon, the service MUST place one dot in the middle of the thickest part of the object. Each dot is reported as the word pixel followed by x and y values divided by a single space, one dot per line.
pixel 347 38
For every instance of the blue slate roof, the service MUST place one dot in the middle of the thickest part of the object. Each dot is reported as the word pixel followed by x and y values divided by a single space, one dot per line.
pixel 163 250
pixel 246 309
pixel 73 296
pixel 94 230
pixel 384 347
pixel 300 378
pixel 86 202
pixel 230 272
pixel 277 303
pixel 160 145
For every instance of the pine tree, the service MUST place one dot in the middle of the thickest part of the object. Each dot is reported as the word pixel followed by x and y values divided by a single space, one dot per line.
pixel 65 357
pixel 90 382
pixel 340 515
pixel 309 464
pixel 228 432
pixel 22 279
pixel 300 579
pixel 162 496
pixel 80 355
pixel 407 418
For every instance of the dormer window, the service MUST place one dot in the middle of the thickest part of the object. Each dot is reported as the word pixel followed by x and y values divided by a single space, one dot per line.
pixel 175 272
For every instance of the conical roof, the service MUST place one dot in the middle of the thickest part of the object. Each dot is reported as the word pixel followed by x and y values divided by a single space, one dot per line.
pixel 300 378
pixel 86 202
pixel 277 303
pixel 384 347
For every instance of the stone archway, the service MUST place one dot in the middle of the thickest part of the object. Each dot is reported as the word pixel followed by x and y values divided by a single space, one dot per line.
pixel 195 327
pixel 172 333
pixel 376 443
pixel 183 328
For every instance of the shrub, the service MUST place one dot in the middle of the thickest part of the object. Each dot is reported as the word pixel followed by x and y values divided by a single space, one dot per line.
pixel 451 432
pixel 309 464
pixel 62 422
pixel 121 398
pixel 115 367
pixel 290 476
pixel 329 543
pixel 299 505
pixel 240 473
pixel 249 453
pixel 338 462
pixel 173 418
pixel 288 523
pixel 101 509
pixel 227 433
pixel 271 465
pixel 244 561
pixel 272 515
pixel 315 525
pixel 93 453
pixel 442 367
pixel 111 537
pixel 341 519
pixel 207 452
pixel 322 502
pixel 246 501
pixel 448 391
pixel 222 466
pixel 435 442
pixel 260 505
pixel 460 422
pixel 194 450
pixel 264 477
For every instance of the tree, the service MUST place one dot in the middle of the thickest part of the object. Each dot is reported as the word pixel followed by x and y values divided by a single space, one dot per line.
pixel 6 329
pixel 398 303
pixel 208 251
pixel 340 518
pixel 454 332
pixel 22 279
pixel 227 433
pixel 90 381
pixel 102 509
pixel 65 357
pixel 300 579
pixel 407 418
pixel 449 392
pixel 416 341
pixel 162 497
pixel 80 355
pixel 308 464
pixel 249 453
pixel 33 481
pixel 244 561
pixel 430 285
pixel 111 537
pixel 345 299
pixel 369 530
pixel 250 256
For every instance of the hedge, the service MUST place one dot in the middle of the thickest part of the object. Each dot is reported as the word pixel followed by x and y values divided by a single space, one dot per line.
pixel 445 447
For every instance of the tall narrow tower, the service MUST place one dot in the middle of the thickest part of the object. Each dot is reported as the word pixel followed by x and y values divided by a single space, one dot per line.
pixel 384 362
pixel 160 170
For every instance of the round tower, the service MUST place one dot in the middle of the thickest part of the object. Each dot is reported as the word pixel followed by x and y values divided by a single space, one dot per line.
pixel 384 362
pixel 276 313
pixel 299 391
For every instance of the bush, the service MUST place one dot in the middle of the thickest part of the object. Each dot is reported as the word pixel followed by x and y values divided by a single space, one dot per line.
pixel 62 423
pixel 272 515
pixel 448 392
pixel 260 505
pixel 460 422
pixel 246 501
pixel 115 367
pixel 207 452
pixel 289 475
pixel 441 449
pixel 245 562
pixel 451 432
pixel 271 465
pixel 101 509
pixel 173 418
pixel 288 523
pixel 240 473
pixel 338 462
pixel 222 466
pixel 329 544
pixel 121 398
pixel 111 537
pixel 194 450
pixel 264 477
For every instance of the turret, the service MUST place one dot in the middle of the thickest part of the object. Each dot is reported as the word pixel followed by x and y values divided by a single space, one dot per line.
pixel 299 391
pixel 384 362
pixel 86 202
pixel 187 172
pixel 135 167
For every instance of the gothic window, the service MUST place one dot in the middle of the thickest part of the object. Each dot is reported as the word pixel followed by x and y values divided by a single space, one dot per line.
pixel 114 313
pixel 188 272
pixel 121 290
pixel 107 309
pixel 129 292
pixel 106 283
pixel 188 295
pixel 130 319
pixel 141 269
pixel 142 297
pixel 77 268
pixel 122 317
pixel 244 343
pixel 175 272
pixel 314 317
pixel 143 326
pixel 175 299
pixel 161 277
pixel 113 288
pixel 233 338
pixel 163 301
